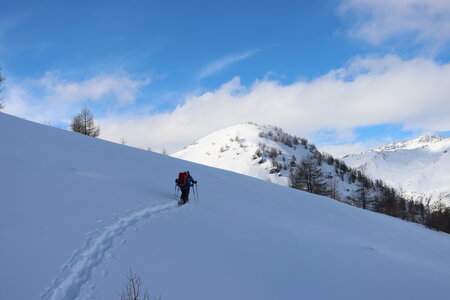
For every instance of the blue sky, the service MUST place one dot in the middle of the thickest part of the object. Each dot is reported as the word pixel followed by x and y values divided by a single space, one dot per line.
pixel 349 74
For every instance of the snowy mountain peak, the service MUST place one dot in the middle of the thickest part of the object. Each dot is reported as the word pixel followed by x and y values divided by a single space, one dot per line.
pixel 420 167
pixel 422 141
pixel 241 148
pixel 270 154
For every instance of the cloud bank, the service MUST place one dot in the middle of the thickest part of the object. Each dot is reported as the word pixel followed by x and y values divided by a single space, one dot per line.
pixel 52 99
pixel 368 91
pixel 420 22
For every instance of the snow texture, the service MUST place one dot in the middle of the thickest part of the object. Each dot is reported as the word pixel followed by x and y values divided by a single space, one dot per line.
pixel 77 271
pixel 77 213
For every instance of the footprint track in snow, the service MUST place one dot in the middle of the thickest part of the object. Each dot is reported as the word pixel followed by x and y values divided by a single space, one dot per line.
pixel 77 271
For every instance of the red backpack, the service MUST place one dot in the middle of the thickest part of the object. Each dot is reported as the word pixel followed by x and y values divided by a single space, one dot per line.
pixel 181 181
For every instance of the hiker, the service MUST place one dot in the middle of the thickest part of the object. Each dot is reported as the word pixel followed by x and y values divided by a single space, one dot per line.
pixel 184 182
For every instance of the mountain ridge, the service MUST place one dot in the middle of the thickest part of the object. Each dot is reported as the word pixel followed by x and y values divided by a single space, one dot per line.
pixel 420 167
pixel 425 140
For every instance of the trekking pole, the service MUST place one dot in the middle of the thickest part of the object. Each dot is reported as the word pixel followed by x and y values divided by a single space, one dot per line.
pixel 175 192
pixel 193 191
pixel 196 188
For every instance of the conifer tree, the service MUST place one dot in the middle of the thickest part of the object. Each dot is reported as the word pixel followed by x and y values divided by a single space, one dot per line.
pixel 308 177
pixel 84 123
pixel 361 196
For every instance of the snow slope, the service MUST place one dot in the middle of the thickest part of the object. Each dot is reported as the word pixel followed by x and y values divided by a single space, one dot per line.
pixel 77 213
pixel 420 167
pixel 234 148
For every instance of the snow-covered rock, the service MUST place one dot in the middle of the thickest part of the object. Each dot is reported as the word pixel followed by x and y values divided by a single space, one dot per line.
pixel 420 167
pixel 78 212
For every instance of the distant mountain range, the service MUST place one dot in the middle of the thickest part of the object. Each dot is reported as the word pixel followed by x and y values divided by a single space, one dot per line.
pixel 420 167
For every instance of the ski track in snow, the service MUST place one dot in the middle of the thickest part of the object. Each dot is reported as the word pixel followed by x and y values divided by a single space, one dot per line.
pixel 78 270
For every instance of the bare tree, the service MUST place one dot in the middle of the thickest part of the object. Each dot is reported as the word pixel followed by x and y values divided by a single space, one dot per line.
pixel 132 289
pixel 333 188
pixel 84 123
pixel 2 80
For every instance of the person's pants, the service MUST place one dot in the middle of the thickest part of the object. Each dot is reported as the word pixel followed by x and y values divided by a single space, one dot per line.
pixel 184 194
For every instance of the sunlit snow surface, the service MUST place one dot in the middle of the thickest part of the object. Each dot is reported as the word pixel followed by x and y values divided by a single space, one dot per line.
pixel 77 213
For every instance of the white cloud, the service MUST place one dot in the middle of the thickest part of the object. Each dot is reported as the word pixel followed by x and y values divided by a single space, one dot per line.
pixel 369 91
pixel 341 149
pixel 351 148
pixel 119 87
pixel 422 22
pixel 51 98
pixel 366 92
pixel 222 63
